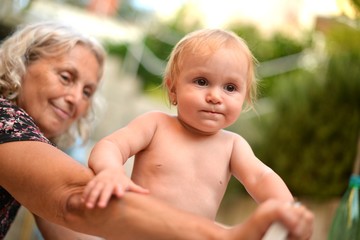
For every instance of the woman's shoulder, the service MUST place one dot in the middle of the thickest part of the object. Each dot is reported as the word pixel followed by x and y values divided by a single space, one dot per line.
pixel 9 109
pixel 17 125
pixel 5 103
pixel 9 112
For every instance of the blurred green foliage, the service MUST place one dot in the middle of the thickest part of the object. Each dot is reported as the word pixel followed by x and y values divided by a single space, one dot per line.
pixel 308 119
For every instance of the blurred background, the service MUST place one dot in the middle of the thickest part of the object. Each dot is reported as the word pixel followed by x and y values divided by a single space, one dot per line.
pixel 307 117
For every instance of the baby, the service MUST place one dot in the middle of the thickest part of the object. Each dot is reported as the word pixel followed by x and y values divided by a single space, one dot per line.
pixel 187 160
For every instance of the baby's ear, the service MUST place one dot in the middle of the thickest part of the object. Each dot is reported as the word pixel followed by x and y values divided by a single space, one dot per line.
pixel 170 86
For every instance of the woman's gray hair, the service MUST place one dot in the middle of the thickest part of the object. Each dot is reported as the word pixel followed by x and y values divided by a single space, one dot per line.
pixel 39 40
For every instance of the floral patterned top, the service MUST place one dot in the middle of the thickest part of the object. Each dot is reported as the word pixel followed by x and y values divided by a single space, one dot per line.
pixel 15 125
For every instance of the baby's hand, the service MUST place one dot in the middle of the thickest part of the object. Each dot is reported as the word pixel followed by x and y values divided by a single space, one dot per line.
pixel 296 220
pixel 107 183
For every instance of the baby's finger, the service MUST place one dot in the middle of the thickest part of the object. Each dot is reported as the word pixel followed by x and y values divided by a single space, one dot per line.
pixel 94 194
pixel 304 226
pixel 87 190
pixel 119 191
pixel 105 196
pixel 136 188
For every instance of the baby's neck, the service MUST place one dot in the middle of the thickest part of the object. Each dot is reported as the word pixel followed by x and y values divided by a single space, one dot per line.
pixel 193 130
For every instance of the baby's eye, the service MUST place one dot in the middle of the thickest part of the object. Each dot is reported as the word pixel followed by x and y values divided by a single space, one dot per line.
pixel 201 82
pixel 230 87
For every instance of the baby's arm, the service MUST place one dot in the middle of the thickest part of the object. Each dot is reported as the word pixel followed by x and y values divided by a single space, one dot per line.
pixel 260 181
pixel 108 156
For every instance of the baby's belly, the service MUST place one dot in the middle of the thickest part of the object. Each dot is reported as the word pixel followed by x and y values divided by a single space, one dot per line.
pixel 194 189
pixel 200 200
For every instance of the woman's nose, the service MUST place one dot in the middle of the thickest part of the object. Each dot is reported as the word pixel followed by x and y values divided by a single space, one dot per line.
pixel 74 94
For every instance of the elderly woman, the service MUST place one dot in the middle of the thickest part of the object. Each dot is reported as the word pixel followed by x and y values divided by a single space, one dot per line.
pixel 49 75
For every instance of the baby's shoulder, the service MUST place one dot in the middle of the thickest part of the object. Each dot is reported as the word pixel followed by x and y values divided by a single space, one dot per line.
pixel 235 137
pixel 157 117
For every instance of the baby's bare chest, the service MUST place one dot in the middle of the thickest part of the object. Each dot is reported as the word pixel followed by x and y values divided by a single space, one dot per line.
pixel 182 155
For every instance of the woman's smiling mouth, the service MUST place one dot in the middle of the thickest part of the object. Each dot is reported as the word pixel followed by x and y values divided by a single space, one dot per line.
pixel 63 114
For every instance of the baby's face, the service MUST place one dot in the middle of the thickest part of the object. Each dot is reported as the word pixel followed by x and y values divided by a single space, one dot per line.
pixel 210 90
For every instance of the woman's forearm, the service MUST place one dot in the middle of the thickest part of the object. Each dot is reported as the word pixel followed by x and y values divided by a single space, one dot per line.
pixel 138 216
pixel 53 231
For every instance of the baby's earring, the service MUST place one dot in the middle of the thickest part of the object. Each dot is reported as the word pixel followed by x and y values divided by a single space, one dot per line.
pixel 174 102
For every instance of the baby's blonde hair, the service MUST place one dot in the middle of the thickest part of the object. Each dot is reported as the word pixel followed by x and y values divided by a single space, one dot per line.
pixel 42 40
pixel 203 42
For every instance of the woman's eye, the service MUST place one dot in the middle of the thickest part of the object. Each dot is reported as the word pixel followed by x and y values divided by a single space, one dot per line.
pixel 88 92
pixel 201 82
pixel 230 88
pixel 65 77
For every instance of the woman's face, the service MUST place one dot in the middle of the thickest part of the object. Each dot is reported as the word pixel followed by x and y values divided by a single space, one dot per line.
pixel 57 91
